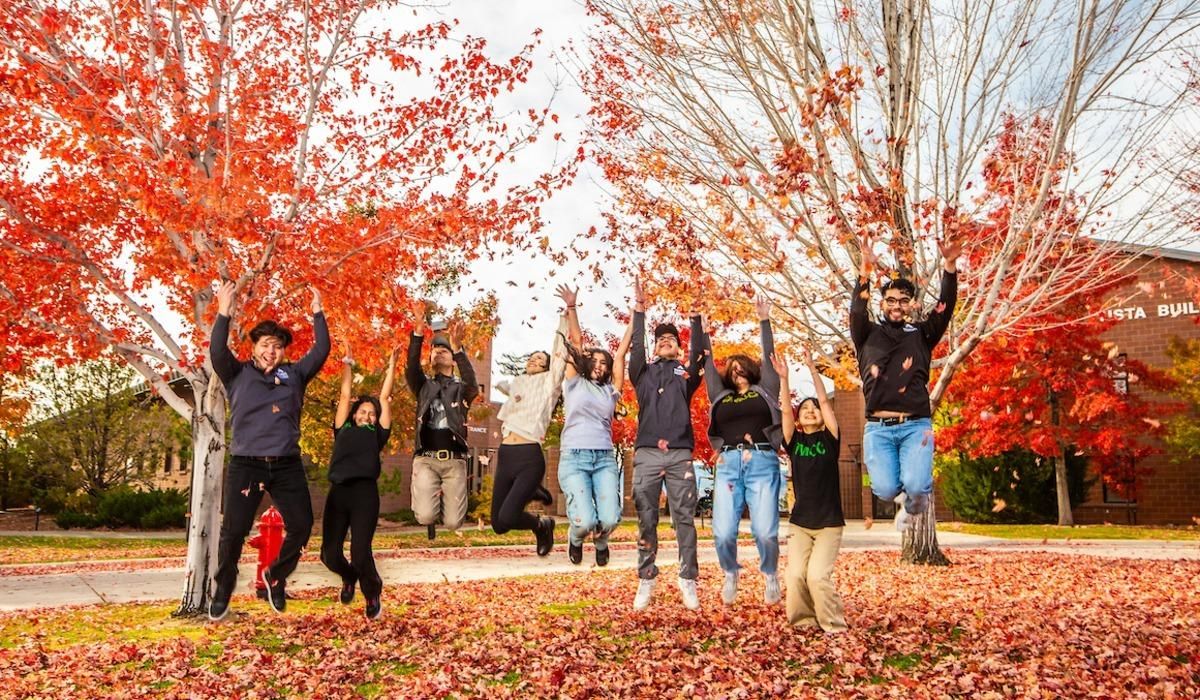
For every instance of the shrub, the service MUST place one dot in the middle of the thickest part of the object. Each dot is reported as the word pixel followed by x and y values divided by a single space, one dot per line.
pixel 479 504
pixel 67 519
pixel 1021 479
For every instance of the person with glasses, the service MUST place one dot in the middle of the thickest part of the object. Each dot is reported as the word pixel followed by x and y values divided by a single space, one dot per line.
pixel 744 430
pixel 524 417
pixel 894 355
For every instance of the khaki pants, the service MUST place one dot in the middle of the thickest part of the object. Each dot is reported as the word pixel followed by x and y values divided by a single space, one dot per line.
pixel 439 487
pixel 812 599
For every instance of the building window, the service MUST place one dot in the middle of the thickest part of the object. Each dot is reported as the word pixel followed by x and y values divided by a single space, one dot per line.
pixel 1121 376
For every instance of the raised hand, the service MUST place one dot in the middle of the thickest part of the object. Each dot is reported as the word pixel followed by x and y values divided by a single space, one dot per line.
pixel 225 295
pixel 639 294
pixel 763 306
pixel 568 295
pixel 418 313
pixel 780 364
pixel 456 330
pixel 316 300
pixel 950 250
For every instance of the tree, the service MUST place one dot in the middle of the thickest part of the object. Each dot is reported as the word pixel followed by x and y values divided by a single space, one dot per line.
pixel 148 149
pixel 1059 394
pixel 90 421
pixel 1183 433
pixel 764 140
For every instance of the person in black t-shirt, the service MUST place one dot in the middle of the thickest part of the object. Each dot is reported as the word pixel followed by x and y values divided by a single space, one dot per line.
pixel 361 429
pixel 815 533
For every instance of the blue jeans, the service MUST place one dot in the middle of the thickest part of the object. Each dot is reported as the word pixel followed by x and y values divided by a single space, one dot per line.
pixel 900 458
pixel 591 482
pixel 747 477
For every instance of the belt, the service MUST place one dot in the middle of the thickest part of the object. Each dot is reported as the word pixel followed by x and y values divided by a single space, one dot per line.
pixel 442 455
pixel 762 446
pixel 897 420
pixel 269 458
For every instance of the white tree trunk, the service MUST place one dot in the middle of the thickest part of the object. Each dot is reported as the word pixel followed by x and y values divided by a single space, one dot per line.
pixel 1063 489
pixel 204 523
pixel 918 543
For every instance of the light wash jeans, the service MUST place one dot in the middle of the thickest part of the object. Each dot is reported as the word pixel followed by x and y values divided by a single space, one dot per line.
pixel 747 477
pixel 591 482
pixel 900 458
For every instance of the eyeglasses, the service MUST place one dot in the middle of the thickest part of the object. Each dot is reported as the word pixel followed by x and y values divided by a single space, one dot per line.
pixel 896 301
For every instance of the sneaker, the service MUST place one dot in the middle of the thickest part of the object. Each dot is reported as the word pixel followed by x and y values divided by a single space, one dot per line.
pixel 645 592
pixel 374 608
pixel 602 556
pixel 729 590
pixel 687 586
pixel 772 594
pixel 543 495
pixel 901 521
pixel 347 593
pixel 545 536
pixel 575 552
pixel 276 597
pixel 218 607
pixel 431 531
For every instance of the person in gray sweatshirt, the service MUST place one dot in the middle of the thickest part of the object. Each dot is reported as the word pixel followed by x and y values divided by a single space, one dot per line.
pixel 663 449
pixel 265 396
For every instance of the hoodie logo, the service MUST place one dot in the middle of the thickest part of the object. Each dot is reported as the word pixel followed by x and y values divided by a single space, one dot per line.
pixel 910 328
pixel 679 371
pixel 279 372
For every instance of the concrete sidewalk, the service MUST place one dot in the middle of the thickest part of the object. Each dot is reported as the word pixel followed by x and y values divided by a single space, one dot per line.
pixel 82 588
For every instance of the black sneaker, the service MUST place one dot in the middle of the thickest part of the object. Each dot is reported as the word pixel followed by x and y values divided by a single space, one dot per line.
pixel 545 536
pixel 374 608
pixel 431 531
pixel 575 552
pixel 347 593
pixel 543 495
pixel 602 556
pixel 218 607
pixel 276 597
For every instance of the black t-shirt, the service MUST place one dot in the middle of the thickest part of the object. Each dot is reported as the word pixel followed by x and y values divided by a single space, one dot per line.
pixel 814 458
pixel 435 430
pixel 356 452
pixel 739 415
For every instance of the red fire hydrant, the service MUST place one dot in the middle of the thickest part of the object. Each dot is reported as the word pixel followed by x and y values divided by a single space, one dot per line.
pixel 268 542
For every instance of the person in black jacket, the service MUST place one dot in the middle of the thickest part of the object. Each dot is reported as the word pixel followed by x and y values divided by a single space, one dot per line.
pixel 894 356
pixel 360 429
pixel 664 445
pixel 265 396
pixel 439 473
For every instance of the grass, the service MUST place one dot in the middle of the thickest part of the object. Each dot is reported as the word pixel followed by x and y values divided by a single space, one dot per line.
pixel 1077 532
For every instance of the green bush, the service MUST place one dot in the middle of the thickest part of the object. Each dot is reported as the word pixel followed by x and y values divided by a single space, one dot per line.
pixel 155 509
pixel 404 516
pixel 67 519
pixel 165 517
pixel 479 504
pixel 1022 480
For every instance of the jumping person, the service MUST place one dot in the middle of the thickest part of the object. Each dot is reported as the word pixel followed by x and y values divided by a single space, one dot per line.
pixel 361 429
pixel 744 432
pixel 439 473
pixel 265 396
pixel 893 360
pixel 524 417
pixel 815 535
pixel 664 447
pixel 587 468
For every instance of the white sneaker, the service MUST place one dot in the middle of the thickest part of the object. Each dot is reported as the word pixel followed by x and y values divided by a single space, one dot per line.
pixel 771 594
pixel 687 587
pixel 901 514
pixel 645 592
pixel 729 590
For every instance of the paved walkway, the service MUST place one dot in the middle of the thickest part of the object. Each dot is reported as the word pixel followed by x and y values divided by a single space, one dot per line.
pixel 81 588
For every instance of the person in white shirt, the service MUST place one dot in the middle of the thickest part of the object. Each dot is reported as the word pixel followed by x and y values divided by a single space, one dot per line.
pixel 521 464
pixel 587 468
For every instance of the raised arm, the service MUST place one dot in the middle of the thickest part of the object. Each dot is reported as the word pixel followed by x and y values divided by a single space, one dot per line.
pixel 343 404
pixel 860 320
pixel 770 378
pixel 466 371
pixel 827 413
pixel 787 419
pixel 385 392
pixel 712 381
pixel 224 363
pixel 698 344
pixel 314 359
pixel 574 332
pixel 618 368
pixel 558 353
pixel 938 320
pixel 637 326
pixel 413 374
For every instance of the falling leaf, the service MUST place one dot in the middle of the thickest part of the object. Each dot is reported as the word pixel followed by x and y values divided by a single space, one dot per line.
pixel 998 505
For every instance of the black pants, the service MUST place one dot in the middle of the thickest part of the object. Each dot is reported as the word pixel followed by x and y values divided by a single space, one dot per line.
pixel 519 471
pixel 352 506
pixel 246 480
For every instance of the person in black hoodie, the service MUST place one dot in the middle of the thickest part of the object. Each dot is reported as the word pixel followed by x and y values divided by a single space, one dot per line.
pixel 360 429
pixel 894 356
